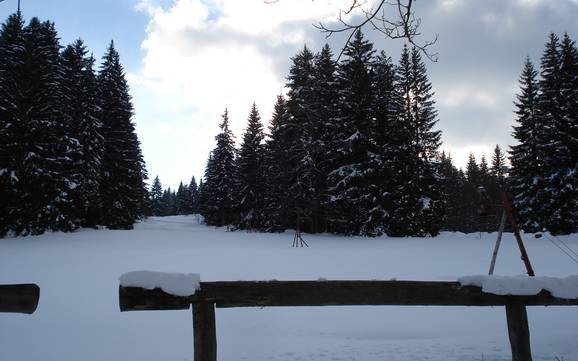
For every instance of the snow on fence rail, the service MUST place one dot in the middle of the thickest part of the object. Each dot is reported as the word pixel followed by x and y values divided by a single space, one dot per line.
pixel 333 293
pixel 21 298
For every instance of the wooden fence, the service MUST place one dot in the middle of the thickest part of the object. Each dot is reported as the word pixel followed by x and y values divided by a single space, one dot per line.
pixel 19 298
pixel 333 293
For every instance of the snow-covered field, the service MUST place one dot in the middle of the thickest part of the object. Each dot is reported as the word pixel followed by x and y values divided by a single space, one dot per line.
pixel 78 316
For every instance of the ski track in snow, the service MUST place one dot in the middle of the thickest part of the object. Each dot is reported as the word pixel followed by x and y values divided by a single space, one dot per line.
pixel 78 316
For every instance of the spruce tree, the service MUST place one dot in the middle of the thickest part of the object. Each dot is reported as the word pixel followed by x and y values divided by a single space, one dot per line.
pixel 420 206
pixel 220 176
pixel 250 174
pixel 11 121
pixel 155 196
pixel 319 130
pixel 499 169
pixel 298 176
pixel 194 195
pixel 276 167
pixel 402 189
pixel 388 148
pixel 525 159
pixel 45 156
pixel 181 199
pixel 349 180
pixel 83 126
pixel 123 188
pixel 563 178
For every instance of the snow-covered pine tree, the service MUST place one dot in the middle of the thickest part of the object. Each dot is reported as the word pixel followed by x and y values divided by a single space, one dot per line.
pixel 83 126
pixel 122 188
pixel 11 122
pixel 349 197
pixel 155 196
pixel 298 177
pixel 182 199
pixel 45 152
pixel 563 219
pixel 426 142
pixel 549 111
pixel 276 166
pixel 194 196
pixel 169 202
pixel 250 174
pixel 525 160
pixel 452 187
pixel 419 205
pixel 499 169
pixel 388 148
pixel 219 186
pixel 318 131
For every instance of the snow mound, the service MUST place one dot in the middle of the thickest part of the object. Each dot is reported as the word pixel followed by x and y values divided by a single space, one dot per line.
pixel 524 285
pixel 176 284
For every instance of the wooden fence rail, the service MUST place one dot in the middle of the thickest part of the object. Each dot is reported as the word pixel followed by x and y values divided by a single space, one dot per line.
pixel 19 298
pixel 333 293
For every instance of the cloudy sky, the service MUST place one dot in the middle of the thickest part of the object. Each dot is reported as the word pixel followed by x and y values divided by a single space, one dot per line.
pixel 186 60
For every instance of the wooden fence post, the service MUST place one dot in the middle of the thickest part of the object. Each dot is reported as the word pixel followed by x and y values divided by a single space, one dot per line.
pixel 518 331
pixel 19 298
pixel 204 331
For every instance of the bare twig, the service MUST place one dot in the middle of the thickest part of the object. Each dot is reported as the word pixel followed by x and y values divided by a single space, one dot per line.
pixel 403 25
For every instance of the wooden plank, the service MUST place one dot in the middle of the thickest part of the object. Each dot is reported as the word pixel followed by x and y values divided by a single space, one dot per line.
pixel 204 332
pixel 329 293
pixel 21 298
pixel 518 331
pixel 140 299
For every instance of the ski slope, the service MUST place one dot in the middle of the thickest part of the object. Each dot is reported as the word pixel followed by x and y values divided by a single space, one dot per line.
pixel 78 316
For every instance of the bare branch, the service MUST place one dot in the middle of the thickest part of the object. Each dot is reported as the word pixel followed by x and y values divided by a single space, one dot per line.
pixel 399 22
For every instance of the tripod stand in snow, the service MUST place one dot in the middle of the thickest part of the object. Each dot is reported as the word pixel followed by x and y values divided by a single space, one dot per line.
pixel 507 212
pixel 298 241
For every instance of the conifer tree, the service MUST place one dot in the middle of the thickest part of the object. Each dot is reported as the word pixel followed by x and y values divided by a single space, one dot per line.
pixel 388 148
pixel 525 158
pixel 276 167
pixel 182 199
pixel 562 181
pixel 499 169
pixel 298 174
pixel 420 209
pixel 194 194
pixel 250 177
pixel 319 132
pixel 155 197
pixel 45 155
pixel 219 186
pixel 349 180
pixel 11 122
pixel 83 126
pixel 122 189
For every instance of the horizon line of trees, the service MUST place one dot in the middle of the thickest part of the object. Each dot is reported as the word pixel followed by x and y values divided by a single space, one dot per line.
pixel 69 153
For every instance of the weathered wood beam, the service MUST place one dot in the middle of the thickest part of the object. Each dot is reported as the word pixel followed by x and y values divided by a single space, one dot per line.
pixel 204 332
pixel 329 293
pixel 21 298
pixel 518 331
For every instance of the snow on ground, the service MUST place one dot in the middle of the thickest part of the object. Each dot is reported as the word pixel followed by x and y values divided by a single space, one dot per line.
pixel 78 316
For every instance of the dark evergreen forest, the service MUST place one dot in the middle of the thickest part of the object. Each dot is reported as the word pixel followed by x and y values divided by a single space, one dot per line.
pixel 69 153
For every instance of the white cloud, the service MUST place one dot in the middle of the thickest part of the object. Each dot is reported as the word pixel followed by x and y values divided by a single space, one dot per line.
pixel 202 56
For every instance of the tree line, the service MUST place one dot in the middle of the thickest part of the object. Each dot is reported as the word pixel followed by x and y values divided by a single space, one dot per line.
pixel 352 149
pixel 69 153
